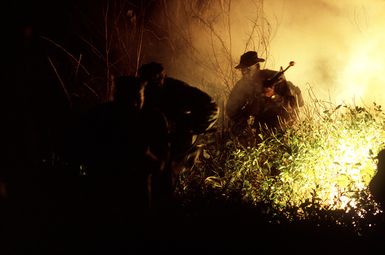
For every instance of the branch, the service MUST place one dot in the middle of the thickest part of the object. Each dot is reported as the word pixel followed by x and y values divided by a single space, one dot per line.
pixel 67 52
pixel 61 82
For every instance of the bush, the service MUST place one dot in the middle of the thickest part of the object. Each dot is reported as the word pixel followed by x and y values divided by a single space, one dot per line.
pixel 317 170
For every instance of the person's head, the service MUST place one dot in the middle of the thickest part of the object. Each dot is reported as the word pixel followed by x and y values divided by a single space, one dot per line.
pixel 249 63
pixel 129 90
pixel 153 73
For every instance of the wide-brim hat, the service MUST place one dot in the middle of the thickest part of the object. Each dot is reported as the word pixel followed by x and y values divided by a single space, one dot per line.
pixel 248 59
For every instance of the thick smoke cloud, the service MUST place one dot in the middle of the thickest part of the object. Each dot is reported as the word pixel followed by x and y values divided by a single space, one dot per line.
pixel 338 45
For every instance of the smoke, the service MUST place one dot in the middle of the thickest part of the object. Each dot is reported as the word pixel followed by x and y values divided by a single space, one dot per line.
pixel 337 45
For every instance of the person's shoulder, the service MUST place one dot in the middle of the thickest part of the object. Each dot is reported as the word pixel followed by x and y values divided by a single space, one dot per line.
pixel 269 71
pixel 171 79
pixel 173 82
pixel 175 86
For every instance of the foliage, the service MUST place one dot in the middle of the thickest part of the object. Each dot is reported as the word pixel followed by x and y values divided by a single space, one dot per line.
pixel 316 170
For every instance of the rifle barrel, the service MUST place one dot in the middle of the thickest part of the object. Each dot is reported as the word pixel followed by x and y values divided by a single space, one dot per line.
pixel 269 82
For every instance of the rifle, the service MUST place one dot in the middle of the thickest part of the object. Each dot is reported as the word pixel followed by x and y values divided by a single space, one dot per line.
pixel 270 82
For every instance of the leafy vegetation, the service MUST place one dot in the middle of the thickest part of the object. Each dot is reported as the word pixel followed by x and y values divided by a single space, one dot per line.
pixel 316 170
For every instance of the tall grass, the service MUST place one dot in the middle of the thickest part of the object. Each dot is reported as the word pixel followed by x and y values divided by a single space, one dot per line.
pixel 318 166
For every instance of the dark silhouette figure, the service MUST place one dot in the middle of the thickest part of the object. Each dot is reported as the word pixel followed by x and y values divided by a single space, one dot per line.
pixel 377 184
pixel 123 145
pixel 262 97
pixel 189 112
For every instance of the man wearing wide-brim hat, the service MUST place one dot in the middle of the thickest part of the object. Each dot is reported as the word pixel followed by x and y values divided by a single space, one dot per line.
pixel 249 59
pixel 251 97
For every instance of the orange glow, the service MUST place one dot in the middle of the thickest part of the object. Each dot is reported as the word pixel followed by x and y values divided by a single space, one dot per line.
pixel 338 46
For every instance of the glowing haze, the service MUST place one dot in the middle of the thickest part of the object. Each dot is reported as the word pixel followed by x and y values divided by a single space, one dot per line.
pixel 338 46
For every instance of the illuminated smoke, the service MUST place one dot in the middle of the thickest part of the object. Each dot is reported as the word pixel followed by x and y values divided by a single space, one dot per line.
pixel 338 45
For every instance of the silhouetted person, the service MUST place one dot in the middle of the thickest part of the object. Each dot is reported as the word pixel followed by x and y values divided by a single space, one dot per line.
pixel 189 112
pixel 262 95
pixel 377 184
pixel 123 145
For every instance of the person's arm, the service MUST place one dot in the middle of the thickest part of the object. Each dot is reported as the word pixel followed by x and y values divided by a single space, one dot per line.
pixel 238 99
